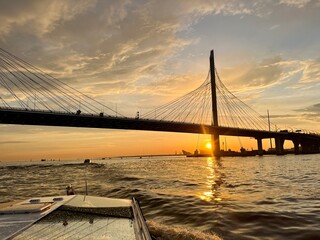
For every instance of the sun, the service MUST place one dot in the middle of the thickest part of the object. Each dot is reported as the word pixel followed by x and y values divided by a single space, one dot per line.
pixel 208 145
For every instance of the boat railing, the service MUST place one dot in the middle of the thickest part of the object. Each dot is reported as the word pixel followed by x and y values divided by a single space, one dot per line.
pixel 142 228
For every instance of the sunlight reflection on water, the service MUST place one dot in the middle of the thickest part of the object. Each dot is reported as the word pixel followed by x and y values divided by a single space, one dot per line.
pixel 213 181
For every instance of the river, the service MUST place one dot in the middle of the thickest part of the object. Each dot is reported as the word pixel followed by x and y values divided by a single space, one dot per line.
pixel 269 197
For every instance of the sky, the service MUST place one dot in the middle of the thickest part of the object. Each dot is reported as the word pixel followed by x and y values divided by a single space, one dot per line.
pixel 138 55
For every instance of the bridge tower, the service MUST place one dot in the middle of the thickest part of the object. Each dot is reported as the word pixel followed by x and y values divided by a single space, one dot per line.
pixel 215 136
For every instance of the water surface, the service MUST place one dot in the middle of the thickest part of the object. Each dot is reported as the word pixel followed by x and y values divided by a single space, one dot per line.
pixel 269 197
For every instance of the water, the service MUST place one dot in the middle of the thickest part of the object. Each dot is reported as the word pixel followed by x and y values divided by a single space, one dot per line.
pixel 270 197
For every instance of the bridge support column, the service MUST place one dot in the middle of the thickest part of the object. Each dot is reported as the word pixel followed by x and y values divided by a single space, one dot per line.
pixel 215 141
pixel 306 146
pixel 279 146
pixel 317 146
pixel 260 149
pixel 310 146
pixel 296 144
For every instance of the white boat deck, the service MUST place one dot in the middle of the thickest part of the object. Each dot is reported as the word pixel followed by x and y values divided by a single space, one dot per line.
pixel 97 202
pixel 78 217
pixel 19 216
pixel 103 228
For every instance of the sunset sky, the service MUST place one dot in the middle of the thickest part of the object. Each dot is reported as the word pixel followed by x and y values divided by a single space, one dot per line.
pixel 137 55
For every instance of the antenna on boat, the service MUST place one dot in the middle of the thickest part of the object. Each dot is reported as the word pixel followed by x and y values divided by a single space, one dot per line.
pixel 86 183
pixel 84 198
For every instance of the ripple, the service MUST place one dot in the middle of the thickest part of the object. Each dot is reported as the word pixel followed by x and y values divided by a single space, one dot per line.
pixel 273 198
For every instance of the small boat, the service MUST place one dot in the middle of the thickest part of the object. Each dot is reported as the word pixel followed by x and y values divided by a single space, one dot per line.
pixel 73 217
pixel 87 161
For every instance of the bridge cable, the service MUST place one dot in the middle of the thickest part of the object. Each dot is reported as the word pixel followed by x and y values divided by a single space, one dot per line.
pixel 60 87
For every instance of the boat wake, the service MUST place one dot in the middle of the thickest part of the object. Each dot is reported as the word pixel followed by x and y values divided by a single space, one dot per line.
pixel 166 232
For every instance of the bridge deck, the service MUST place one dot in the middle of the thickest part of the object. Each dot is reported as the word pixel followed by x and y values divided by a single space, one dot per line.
pixel 47 118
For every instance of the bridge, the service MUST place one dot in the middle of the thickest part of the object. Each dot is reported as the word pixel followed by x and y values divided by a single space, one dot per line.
pixel 29 96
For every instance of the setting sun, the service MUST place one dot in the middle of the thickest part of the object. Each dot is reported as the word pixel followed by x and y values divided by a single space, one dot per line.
pixel 208 145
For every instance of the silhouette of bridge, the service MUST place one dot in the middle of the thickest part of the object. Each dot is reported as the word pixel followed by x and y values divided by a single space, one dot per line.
pixel 29 96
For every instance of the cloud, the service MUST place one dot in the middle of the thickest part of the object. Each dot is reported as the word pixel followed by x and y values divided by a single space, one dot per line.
pixel 273 71
pixel 282 116
pixel 38 17
pixel 107 47
pixel 273 27
pixel 12 142
pixel 103 47
pixel 295 3
pixel 313 109
pixel 254 76
pixel 310 113
pixel 311 71
pixel 105 39
pixel 95 41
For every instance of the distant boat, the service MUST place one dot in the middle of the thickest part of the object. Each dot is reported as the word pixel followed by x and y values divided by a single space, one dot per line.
pixel 87 161
pixel 186 153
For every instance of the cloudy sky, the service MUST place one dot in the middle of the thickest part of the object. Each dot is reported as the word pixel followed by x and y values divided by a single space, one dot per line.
pixel 137 55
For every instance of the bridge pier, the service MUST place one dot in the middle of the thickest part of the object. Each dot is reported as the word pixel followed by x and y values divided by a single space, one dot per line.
pixel 296 144
pixel 260 149
pixel 215 141
pixel 310 146
pixel 317 146
pixel 306 147
pixel 279 146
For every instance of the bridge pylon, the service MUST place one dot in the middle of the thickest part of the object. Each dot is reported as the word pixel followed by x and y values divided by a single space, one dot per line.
pixel 214 137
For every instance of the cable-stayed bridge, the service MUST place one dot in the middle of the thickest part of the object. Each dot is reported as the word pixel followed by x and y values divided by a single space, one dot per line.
pixel 29 96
